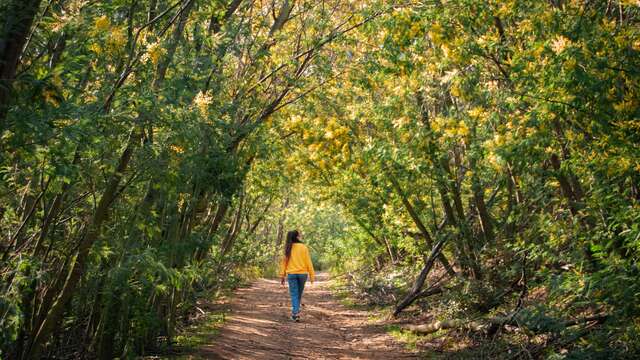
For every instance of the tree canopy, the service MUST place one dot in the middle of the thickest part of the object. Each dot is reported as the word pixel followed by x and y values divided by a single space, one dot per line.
pixel 473 159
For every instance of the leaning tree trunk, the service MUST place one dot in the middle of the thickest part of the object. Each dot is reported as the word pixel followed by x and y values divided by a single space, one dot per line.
pixel 419 224
pixel 54 316
pixel 163 66
pixel 415 291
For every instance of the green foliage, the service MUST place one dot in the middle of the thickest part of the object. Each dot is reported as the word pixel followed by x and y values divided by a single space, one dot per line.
pixel 136 150
pixel 151 154
pixel 504 127
pixel 202 332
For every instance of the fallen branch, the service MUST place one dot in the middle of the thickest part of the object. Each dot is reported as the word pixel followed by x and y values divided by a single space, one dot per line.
pixel 415 290
pixel 491 322
pixel 449 324
pixel 428 292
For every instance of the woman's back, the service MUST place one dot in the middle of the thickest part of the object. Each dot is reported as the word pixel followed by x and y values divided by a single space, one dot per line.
pixel 299 262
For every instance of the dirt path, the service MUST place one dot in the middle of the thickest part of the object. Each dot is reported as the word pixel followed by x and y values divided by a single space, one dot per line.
pixel 258 328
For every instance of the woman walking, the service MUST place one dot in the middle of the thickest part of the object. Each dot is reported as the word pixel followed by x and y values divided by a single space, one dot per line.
pixel 296 266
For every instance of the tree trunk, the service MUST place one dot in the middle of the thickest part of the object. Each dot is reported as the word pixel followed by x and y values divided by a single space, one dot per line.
pixel 486 223
pixel 280 229
pixel 110 321
pixel 53 211
pixel 419 224
pixel 16 18
pixel 54 316
pixel 466 237
pixel 163 65
pixel 565 185
pixel 215 23
pixel 422 277
pixel 221 211
pixel 152 12
pixel 232 233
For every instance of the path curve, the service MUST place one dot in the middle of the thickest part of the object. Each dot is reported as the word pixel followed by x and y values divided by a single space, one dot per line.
pixel 258 328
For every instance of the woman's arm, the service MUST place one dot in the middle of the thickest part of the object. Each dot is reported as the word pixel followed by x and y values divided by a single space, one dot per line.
pixel 309 264
pixel 282 272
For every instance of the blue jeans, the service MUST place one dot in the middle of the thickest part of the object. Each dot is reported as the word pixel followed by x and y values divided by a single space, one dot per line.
pixel 296 287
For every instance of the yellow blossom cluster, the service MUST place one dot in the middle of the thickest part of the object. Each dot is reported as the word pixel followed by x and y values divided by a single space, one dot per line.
pixel 102 23
pixel 154 52
pixel 436 33
pixel 177 149
pixel 452 128
pixel 116 40
pixel 628 105
pixel 294 123
pixel 559 44
pixel 328 144
pixel 477 112
pixel 202 102
pixel 114 37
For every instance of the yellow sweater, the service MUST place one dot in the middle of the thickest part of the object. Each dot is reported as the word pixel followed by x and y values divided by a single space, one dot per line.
pixel 299 262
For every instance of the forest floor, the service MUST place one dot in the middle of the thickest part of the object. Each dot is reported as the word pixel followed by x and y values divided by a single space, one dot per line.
pixel 257 326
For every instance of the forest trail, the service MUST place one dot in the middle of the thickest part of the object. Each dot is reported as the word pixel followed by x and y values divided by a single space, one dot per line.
pixel 258 327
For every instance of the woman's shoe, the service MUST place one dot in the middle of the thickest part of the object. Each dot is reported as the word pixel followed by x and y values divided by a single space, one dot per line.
pixel 295 318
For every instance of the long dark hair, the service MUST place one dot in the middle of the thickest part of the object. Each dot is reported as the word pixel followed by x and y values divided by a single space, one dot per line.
pixel 293 236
